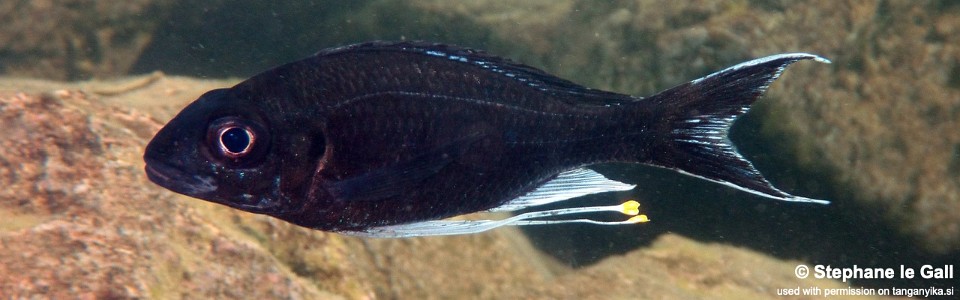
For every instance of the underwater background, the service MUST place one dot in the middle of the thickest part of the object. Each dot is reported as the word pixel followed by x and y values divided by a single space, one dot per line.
pixel 85 84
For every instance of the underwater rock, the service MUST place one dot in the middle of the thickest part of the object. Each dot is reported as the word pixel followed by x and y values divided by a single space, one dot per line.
pixel 675 267
pixel 79 219
pixel 888 120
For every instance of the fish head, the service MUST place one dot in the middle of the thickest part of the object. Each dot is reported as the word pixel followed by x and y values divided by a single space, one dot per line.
pixel 220 148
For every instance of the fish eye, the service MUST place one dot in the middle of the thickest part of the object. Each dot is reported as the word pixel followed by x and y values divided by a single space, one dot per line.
pixel 236 141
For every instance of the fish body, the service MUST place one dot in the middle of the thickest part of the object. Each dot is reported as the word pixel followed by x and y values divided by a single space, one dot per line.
pixel 380 135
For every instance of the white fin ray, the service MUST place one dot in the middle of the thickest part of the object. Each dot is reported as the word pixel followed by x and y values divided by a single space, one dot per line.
pixel 457 227
pixel 567 185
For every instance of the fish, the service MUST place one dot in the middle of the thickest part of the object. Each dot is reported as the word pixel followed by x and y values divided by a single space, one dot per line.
pixel 393 139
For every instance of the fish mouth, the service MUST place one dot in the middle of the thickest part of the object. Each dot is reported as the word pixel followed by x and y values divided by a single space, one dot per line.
pixel 204 187
pixel 176 180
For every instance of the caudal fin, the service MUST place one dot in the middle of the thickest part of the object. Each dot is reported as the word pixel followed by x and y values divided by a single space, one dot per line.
pixel 698 117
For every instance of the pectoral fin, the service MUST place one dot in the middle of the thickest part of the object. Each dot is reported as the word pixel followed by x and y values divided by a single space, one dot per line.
pixel 400 177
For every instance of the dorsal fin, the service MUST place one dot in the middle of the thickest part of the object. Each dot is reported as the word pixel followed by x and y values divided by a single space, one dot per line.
pixel 515 71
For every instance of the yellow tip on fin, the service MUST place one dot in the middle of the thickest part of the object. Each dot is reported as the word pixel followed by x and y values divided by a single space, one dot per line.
pixel 630 208
pixel 639 219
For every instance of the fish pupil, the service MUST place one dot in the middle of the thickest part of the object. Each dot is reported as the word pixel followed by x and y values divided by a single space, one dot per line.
pixel 235 140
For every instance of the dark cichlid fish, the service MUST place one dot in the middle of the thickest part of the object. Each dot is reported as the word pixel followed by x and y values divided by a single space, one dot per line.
pixel 386 139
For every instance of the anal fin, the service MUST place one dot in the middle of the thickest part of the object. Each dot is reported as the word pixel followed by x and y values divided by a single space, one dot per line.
pixel 457 227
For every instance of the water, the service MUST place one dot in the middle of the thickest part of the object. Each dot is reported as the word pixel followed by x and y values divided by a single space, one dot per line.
pixel 876 132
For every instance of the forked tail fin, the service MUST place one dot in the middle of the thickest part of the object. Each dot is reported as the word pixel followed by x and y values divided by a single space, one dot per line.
pixel 699 114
